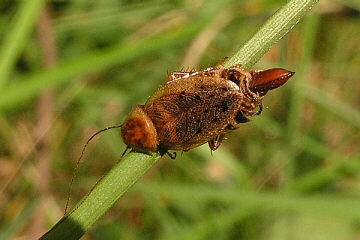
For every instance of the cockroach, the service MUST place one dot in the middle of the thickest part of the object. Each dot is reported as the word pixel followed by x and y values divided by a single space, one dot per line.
pixel 196 107
pixel 193 108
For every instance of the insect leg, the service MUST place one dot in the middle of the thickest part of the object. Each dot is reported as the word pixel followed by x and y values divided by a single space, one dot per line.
pixel 177 75
pixel 171 155
pixel 231 127
pixel 260 108
pixel 216 142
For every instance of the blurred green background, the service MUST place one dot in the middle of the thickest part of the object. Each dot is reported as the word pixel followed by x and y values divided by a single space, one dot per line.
pixel 70 68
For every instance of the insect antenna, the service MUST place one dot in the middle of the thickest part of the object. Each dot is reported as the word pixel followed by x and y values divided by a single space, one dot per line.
pixel 79 159
pixel 123 154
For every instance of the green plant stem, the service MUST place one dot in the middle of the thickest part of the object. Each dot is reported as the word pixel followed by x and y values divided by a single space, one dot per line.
pixel 121 177
pixel 272 31
pixel 134 165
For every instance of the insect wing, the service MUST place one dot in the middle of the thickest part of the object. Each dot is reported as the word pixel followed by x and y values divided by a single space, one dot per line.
pixel 189 112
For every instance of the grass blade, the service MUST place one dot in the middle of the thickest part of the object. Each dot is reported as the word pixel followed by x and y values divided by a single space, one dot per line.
pixel 18 35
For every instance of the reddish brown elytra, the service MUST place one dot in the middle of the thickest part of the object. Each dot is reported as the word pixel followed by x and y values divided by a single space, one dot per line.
pixel 193 108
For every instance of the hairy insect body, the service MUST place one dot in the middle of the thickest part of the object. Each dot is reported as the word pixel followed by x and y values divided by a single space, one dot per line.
pixel 195 115
pixel 193 108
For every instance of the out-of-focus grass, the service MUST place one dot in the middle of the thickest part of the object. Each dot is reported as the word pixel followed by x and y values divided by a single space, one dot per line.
pixel 17 35
pixel 292 173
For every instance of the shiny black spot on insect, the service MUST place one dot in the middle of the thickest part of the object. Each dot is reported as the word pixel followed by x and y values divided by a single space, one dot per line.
pixel 181 96
pixel 224 107
pixel 202 87
pixel 199 131
pixel 198 97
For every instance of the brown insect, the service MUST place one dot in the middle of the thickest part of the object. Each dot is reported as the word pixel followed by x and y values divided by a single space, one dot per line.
pixel 193 108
